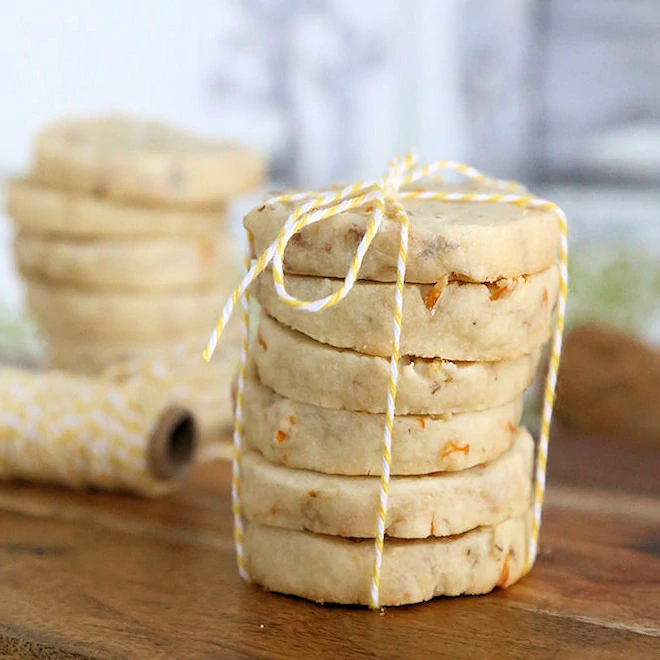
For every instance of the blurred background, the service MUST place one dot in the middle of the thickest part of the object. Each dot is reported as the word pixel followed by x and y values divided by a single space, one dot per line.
pixel 563 95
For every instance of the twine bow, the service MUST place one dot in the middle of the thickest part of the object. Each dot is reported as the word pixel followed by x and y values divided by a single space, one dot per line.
pixel 384 194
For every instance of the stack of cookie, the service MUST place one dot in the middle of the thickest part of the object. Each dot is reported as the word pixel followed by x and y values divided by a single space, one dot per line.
pixel 124 251
pixel 480 289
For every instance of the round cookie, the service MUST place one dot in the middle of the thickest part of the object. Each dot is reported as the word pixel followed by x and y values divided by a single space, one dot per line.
pixel 38 208
pixel 142 160
pixel 440 504
pixel 72 312
pixel 468 241
pixel 151 263
pixel 214 415
pixel 299 435
pixel 330 569
pixel 288 362
pixel 94 355
pixel 457 321
pixel 124 359
pixel 211 401
pixel 215 443
pixel 203 388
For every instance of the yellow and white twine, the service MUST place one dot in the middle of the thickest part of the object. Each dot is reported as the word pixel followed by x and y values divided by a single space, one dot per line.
pixel 80 432
pixel 389 191
pixel 239 430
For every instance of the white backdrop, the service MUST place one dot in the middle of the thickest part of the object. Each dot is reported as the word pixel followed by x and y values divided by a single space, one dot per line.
pixel 330 88
pixel 209 64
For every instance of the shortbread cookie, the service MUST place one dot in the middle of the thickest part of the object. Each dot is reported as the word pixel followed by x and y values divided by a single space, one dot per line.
pixel 77 312
pixel 123 359
pixel 141 160
pixel 211 402
pixel 148 263
pixel 304 370
pixel 38 208
pixel 468 241
pixel 94 355
pixel 204 388
pixel 211 415
pixel 216 444
pixel 335 570
pixel 299 435
pixel 440 504
pixel 455 320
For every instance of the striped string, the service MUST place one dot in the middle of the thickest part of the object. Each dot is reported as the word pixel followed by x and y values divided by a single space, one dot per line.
pixel 321 205
pixel 386 461
pixel 550 388
pixel 239 428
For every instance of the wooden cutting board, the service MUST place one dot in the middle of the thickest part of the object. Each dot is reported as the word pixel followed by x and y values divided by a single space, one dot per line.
pixel 86 575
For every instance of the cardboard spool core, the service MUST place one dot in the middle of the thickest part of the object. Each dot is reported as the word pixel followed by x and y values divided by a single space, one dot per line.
pixel 173 444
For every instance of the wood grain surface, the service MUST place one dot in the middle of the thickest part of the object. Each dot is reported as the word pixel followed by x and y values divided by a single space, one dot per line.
pixel 90 575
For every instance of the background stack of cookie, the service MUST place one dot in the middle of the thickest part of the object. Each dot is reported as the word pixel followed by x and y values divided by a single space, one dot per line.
pixel 478 302
pixel 124 249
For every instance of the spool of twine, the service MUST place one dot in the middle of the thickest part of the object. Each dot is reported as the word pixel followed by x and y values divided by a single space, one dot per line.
pixel 81 432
